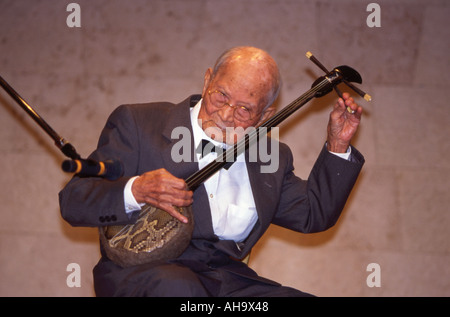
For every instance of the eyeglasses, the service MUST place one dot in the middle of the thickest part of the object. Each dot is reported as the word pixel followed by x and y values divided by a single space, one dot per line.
pixel 219 99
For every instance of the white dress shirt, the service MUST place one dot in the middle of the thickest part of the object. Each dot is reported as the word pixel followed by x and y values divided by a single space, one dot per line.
pixel 233 209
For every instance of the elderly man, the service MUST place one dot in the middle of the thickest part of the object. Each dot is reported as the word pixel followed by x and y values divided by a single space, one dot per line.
pixel 234 207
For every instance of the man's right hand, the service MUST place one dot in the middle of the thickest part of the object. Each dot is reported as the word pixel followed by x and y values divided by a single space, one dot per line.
pixel 162 190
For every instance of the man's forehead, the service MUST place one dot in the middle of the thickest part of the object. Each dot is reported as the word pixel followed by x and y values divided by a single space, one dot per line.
pixel 245 89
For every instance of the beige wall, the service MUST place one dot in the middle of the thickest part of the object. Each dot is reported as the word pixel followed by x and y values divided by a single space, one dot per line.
pixel 138 51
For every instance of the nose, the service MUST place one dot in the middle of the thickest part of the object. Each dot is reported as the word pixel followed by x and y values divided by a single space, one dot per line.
pixel 226 113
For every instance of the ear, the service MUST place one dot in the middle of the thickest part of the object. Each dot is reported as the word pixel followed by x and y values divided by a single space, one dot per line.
pixel 206 81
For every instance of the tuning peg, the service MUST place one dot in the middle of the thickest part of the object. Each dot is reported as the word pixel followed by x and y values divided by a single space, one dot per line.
pixel 355 77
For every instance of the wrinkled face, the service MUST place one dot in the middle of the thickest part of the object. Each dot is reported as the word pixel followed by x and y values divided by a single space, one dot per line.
pixel 236 92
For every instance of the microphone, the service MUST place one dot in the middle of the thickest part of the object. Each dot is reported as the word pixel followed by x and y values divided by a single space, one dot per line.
pixel 109 169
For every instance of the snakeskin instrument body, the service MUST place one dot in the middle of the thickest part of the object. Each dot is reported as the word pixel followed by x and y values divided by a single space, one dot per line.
pixel 156 235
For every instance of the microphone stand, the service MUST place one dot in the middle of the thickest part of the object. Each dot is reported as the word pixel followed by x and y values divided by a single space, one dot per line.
pixel 66 148
pixel 109 169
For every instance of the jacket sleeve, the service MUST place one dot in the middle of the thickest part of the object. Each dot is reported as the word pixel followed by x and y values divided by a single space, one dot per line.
pixel 316 204
pixel 94 201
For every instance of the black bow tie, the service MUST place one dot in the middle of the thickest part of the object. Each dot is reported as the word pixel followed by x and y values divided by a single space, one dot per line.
pixel 206 147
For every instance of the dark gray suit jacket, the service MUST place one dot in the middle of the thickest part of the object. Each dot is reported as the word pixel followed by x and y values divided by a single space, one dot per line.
pixel 140 136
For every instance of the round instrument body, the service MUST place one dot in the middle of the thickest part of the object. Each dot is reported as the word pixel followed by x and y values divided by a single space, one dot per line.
pixel 155 236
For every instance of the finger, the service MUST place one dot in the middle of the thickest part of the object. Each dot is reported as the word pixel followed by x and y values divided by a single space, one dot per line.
pixel 339 105
pixel 177 183
pixel 349 105
pixel 166 177
pixel 350 101
pixel 358 112
pixel 353 107
pixel 164 194
pixel 346 103
pixel 169 208
pixel 345 95
pixel 159 181
pixel 174 213
pixel 180 198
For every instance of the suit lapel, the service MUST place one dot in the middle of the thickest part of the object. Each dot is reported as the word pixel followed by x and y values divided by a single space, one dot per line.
pixel 263 188
pixel 179 118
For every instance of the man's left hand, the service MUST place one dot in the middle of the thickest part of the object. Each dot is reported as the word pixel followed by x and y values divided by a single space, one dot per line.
pixel 343 123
